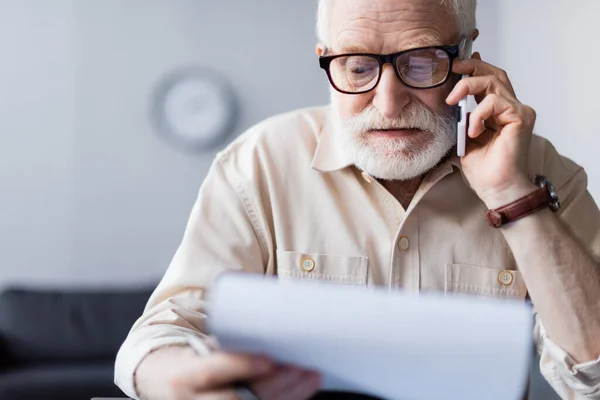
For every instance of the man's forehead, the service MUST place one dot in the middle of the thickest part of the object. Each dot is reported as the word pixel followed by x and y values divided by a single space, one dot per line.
pixel 424 40
pixel 388 9
pixel 392 25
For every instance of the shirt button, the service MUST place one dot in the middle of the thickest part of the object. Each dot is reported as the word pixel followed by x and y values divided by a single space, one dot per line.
pixel 506 278
pixel 308 264
pixel 404 243
pixel 367 177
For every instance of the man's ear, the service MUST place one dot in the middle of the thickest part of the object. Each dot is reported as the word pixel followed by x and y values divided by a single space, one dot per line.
pixel 320 49
pixel 474 34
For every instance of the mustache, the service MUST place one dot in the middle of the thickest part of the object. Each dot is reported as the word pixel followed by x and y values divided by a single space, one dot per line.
pixel 414 116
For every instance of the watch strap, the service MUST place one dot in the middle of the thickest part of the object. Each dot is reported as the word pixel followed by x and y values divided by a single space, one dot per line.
pixel 536 201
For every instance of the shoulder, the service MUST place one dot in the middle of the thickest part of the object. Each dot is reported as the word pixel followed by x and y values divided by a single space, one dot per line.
pixel 290 136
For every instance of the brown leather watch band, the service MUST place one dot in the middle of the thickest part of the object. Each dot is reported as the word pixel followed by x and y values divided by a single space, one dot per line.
pixel 536 201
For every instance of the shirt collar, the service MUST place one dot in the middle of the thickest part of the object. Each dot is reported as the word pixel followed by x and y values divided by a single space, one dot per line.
pixel 328 156
pixel 447 166
pixel 448 163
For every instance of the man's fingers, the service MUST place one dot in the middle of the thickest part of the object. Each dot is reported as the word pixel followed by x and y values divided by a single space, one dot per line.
pixel 219 395
pixel 484 139
pixel 269 387
pixel 493 106
pixel 475 67
pixel 307 386
pixel 289 383
pixel 220 370
pixel 475 86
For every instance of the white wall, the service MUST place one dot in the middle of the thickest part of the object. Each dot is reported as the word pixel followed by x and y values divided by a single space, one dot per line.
pixel 550 50
pixel 37 130
pixel 90 195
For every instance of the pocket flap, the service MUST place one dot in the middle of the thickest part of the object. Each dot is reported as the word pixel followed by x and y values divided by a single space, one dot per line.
pixel 322 267
pixel 461 278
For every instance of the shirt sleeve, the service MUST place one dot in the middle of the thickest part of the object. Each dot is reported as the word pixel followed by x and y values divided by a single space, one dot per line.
pixel 568 378
pixel 220 236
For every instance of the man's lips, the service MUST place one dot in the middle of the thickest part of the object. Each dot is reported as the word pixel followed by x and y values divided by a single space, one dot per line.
pixel 391 133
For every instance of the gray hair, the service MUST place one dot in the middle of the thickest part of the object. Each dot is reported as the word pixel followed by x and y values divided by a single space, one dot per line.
pixel 463 10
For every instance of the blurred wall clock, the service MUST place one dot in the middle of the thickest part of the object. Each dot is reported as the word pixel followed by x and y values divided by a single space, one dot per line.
pixel 194 109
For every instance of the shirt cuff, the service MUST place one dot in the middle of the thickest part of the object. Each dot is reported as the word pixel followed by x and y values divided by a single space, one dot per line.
pixel 582 379
pixel 143 342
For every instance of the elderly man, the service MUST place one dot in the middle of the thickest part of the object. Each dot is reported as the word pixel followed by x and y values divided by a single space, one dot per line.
pixel 369 191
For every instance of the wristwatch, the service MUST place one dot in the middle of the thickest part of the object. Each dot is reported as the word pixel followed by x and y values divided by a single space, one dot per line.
pixel 545 197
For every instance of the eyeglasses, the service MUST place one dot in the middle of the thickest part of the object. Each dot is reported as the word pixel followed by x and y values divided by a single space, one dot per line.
pixel 420 68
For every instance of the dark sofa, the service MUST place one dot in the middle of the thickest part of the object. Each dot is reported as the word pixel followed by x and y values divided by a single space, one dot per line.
pixel 62 345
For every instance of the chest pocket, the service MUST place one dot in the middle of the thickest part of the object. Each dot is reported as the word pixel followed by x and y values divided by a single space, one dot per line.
pixel 322 267
pixel 484 281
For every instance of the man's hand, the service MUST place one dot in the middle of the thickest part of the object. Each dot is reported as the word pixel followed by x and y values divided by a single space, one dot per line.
pixel 495 163
pixel 178 373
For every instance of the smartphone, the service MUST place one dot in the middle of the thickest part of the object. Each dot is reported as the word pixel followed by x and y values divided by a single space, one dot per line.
pixel 463 115
pixel 462 127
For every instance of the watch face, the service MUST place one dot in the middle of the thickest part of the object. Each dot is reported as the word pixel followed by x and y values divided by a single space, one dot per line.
pixel 194 109
pixel 543 182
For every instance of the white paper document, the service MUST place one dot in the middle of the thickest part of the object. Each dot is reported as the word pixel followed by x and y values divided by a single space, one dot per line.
pixel 379 342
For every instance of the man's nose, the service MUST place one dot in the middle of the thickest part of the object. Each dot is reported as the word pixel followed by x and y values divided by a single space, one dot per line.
pixel 391 95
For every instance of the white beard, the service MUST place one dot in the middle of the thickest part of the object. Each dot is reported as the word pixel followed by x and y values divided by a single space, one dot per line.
pixel 401 158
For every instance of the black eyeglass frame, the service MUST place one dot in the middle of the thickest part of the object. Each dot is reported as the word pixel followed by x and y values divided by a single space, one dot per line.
pixel 452 51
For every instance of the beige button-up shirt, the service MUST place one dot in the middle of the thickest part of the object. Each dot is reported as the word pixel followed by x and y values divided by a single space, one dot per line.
pixel 283 200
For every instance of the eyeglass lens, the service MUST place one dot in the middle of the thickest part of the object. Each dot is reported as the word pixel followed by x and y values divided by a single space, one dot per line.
pixel 420 68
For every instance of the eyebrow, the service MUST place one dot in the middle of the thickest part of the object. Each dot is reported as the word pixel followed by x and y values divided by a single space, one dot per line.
pixel 351 48
pixel 427 40
pixel 424 41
